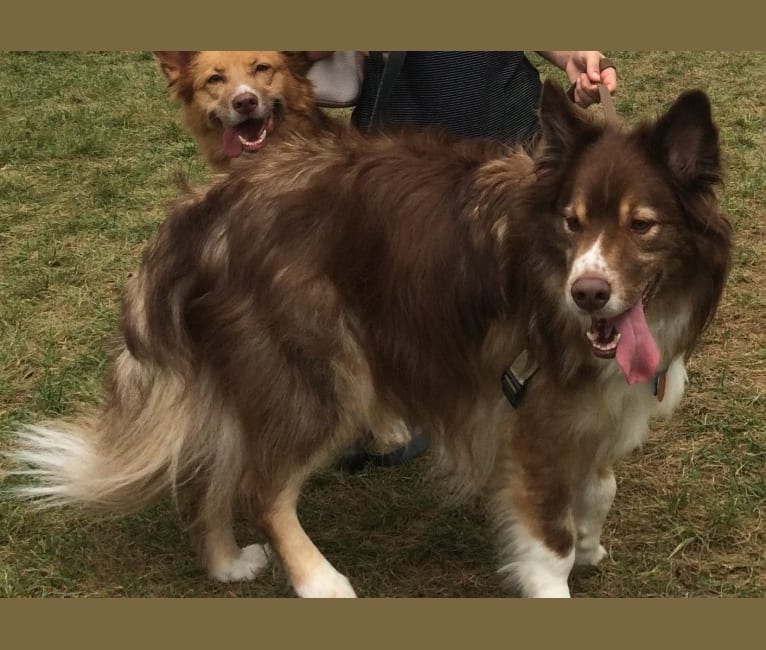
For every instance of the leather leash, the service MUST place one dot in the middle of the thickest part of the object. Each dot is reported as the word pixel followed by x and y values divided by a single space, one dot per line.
pixel 607 103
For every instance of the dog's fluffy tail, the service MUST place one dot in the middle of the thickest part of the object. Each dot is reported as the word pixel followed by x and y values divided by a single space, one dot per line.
pixel 155 433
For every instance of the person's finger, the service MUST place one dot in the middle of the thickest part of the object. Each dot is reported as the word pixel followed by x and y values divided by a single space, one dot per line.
pixel 587 84
pixel 592 66
pixel 609 79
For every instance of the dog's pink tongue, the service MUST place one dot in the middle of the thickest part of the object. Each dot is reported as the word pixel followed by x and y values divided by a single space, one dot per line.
pixel 231 144
pixel 637 353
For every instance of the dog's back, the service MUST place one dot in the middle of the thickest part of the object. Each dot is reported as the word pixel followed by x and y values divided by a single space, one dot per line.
pixel 380 244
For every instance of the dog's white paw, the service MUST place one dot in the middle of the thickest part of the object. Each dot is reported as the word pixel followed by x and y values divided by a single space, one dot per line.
pixel 245 566
pixel 591 556
pixel 325 582
pixel 549 590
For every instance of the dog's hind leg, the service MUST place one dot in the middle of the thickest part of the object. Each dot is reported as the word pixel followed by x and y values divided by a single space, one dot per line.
pixel 591 507
pixel 224 560
pixel 294 430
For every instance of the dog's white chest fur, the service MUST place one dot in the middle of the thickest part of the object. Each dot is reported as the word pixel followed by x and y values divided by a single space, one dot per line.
pixel 636 405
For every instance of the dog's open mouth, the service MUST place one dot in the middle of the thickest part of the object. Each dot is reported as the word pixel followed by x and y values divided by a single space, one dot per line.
pixel 626 338
pixel 249 135
pixel 603 337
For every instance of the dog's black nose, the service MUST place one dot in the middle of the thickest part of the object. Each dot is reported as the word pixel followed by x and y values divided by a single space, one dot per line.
pixel 591 293
pixel 244 103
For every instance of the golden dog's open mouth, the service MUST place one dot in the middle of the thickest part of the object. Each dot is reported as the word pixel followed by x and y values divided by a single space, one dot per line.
pixel 249 135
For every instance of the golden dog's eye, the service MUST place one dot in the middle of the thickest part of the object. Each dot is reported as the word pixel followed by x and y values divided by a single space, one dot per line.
pixel 641 226
pixel 262 67
pixel 215 78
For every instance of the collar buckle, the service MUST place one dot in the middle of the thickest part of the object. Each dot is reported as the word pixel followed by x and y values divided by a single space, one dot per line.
pixel 515 378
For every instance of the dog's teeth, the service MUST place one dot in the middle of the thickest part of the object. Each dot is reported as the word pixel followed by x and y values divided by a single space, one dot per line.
pixel 596 341
pixel 249 143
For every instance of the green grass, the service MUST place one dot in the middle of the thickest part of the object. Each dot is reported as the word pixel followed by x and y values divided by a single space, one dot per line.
pixel 89 145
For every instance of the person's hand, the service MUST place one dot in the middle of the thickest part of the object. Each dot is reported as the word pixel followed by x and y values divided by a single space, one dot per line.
pixel 582 69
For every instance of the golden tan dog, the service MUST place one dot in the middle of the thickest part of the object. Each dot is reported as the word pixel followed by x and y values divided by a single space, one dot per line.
pixel 235 102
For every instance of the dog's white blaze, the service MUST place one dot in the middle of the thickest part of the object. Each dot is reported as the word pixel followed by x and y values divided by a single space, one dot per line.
pixel 244 88
pixel 593 262
pixel 539 571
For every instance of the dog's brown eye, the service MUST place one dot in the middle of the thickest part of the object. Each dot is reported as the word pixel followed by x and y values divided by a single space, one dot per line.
pixel 641 226
pixel 214 79
pixel 572 224
pixel 262 67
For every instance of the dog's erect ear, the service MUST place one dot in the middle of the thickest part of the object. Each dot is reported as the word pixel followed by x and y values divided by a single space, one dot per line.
pixel 563 125
pixel 298 62
pixel 173 64
pixel 687 140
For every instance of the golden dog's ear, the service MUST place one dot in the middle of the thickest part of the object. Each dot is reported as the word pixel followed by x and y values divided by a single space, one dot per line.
pixel 300 62
pixel 173 64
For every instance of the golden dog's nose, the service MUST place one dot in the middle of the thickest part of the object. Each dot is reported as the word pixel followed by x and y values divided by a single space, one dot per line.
pixel 245 103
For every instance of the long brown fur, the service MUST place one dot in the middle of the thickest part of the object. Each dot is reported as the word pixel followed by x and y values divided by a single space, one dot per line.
pixel 342 282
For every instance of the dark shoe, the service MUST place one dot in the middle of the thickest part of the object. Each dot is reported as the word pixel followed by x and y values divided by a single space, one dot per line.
pixel 359 457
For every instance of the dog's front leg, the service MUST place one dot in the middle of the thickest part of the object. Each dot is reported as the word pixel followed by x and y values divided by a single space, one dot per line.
pixel 592 505
pixel 533 511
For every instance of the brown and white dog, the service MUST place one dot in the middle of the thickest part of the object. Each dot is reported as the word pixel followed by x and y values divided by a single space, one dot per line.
pixel 234 102
pixel 347 281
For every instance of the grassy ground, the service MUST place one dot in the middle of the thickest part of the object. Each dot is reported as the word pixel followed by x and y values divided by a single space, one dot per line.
pixel 88 147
